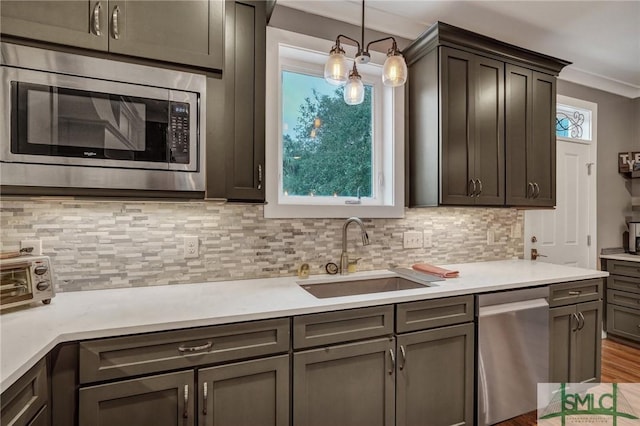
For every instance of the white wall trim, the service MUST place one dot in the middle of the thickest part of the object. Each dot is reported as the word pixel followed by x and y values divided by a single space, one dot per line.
pixel 597 81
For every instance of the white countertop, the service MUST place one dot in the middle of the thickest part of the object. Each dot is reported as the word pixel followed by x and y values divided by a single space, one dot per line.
pixel 29 334
pixel 621 256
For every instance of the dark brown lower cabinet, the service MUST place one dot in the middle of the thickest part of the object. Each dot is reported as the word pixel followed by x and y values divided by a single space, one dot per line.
pixel 576 335
pixel 25 403
pixel 245 394
pixel 160 400
pixel 435 377
pixel 351 384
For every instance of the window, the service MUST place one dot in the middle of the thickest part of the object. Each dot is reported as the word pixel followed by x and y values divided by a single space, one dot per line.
pixel 326 158
pixel 573 122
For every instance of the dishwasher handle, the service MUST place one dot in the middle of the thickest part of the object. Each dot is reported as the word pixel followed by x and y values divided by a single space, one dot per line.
pixel 512 307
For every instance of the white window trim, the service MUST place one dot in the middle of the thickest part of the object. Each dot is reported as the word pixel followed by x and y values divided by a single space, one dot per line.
pixel 393 130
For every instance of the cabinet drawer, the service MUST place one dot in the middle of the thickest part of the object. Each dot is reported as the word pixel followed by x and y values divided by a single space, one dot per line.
pixel 342 326
pixel 619 282
pixel 620 267
pixel 623 322
pixel 622 298
pixel 26 397
pixel 425 314
pixel 112 358
pixel 575 292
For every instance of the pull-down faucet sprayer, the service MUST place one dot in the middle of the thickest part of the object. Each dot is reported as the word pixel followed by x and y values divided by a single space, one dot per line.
pixel 344 258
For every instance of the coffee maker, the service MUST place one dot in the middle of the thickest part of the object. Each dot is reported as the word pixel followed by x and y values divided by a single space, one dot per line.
pixel 634 237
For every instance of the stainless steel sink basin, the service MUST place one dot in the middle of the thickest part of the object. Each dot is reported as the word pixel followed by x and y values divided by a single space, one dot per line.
pixel 363 286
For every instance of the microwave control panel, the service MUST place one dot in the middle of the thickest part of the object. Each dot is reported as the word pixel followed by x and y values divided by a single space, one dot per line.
pixel 179 133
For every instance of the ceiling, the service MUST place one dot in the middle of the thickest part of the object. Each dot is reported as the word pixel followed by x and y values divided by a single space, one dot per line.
pixel 600 38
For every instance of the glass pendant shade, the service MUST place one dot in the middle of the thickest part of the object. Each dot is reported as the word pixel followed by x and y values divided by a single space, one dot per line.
pixel 336 70
pixel 354 90
pixel 394 72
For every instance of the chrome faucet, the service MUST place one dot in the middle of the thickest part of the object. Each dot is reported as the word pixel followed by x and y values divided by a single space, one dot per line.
pixel 344 258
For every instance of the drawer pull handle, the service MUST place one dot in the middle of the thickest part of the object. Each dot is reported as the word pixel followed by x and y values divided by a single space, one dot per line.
pixel 574 293
pixel 207 345
pixel 403 353
pixel 393 361
pixel 205 394
pixel 185 412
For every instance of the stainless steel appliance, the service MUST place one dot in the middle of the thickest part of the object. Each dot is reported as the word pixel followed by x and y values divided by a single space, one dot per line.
pixel 79 122
pixel 634 237
pixel 24 280
pixel 513 352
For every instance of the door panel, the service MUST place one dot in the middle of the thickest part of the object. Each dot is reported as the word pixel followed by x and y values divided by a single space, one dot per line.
pixel 158 400
pixel 345 385
pixel 541 154
pixel 586 357
pixel 71 22
pixel 489 130
pixel 561 324
pixel 443 356
pixel 561 234
pixel 518 104
pixel 186 32
pixel 245 394
pixel 456 122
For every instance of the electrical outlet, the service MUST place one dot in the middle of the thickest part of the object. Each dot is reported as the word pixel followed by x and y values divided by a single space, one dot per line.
pixel 36 244
pixel 491 237
pixel 191 247
pixel 427 239
pixel 412 239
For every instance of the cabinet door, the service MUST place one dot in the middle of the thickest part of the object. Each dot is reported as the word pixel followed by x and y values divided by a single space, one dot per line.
pixel 345 385
pixel 457 122
pixel 489 131
pixel 162 400
pixel 518 107
pixel 435 377
pixel 530 109
pixel 585 357
pixel 563 324
pixel 24 400
pixel 541 153
pixel 188 32
pixel 80 23
pixel 245 394
pixel 244 93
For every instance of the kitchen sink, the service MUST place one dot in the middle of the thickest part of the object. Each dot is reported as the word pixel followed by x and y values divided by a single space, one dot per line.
pixel 361 286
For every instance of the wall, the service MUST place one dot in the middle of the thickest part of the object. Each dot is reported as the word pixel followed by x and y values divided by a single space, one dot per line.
pixel 109 244
pixel 617 132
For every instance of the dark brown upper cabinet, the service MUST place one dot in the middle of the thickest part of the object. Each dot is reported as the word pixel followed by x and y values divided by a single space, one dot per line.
pixel 481 121
pixel 472 120
pixel 236 135
pixel 188 32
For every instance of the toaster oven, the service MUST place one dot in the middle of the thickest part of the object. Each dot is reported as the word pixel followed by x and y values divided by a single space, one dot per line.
pixel 25 280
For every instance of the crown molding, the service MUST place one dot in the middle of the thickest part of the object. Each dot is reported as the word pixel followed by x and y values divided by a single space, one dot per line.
pixel 597 81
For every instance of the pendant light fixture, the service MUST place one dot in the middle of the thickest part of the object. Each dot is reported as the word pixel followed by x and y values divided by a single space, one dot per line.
pixel 336 70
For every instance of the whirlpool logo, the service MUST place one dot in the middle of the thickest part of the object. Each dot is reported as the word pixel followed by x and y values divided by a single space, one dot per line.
pixel 588 404
pixel 90 154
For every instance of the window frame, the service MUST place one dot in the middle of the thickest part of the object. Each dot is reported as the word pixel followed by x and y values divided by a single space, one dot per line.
pixel 388 125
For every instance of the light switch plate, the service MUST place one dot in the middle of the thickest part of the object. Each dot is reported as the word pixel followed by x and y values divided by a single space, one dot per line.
pixel 412 239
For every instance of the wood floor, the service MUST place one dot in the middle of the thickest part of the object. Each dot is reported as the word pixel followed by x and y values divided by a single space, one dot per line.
pixel 620 364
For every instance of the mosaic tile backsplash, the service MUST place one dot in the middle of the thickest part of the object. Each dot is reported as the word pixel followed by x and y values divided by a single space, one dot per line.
pixel 110 244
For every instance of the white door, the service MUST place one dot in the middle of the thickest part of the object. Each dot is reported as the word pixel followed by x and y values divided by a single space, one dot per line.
pixel 563 234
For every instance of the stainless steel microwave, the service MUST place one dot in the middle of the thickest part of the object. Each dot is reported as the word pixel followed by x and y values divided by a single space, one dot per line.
pixel 72 121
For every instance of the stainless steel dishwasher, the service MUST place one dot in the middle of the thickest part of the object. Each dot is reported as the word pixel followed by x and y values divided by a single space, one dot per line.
pixel 513 352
